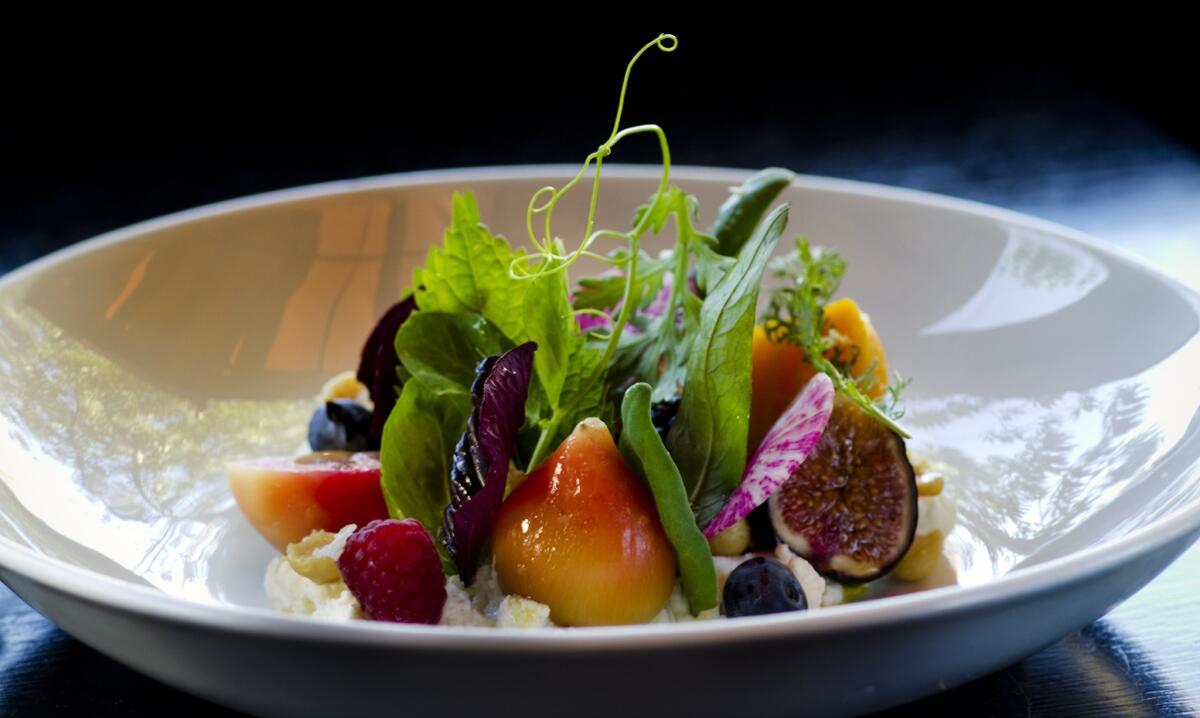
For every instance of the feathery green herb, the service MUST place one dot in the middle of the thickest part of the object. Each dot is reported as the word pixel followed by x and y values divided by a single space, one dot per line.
pixel 796 314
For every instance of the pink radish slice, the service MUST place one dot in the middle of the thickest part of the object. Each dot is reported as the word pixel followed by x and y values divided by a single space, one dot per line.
pixel 781 452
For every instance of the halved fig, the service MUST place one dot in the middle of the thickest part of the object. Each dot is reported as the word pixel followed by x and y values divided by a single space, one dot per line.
pixel 851 507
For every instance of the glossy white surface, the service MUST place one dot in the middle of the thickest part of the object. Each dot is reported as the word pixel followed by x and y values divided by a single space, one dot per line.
pixel 1058 377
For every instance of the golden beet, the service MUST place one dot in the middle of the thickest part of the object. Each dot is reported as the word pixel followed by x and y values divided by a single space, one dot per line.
pixel 856 339
pixel 780 371
pixel 581 535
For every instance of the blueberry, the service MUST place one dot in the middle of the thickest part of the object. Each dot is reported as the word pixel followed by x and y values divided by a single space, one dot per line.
pixel 662 415
pixel 341 425
pixel 761 586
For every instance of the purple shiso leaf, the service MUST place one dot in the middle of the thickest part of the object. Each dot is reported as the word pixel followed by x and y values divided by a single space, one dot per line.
pixel 377 368
pixel 480 468
pixel 781 452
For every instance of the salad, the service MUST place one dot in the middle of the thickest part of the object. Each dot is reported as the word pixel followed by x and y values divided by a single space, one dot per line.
pixel 519 449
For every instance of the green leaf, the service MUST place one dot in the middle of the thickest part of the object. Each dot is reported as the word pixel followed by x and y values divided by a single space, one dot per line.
pixel 660 207
pixel 812 276
pixel 443 349
pixel 645 452
pixel 708 438
pixel 583 391
pixel 469 273
pixel 658 353
pixel 418 446
pixel 583 396
pixel 602 292
pixel 796 314
pixel 710 266
pixel 549 321
pixel 606 291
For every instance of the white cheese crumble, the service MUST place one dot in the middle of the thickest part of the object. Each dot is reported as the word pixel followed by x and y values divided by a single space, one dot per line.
pixel 519 612
pixel 834 594
pixel 290 592
pixel 460 609
pixel 678 611
pixel 936 513
pixel 811 582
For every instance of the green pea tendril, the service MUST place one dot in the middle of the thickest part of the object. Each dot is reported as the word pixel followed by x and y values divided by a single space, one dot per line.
pixel 548 255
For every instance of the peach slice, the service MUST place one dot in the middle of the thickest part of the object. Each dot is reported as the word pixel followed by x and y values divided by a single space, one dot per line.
pixel 287 499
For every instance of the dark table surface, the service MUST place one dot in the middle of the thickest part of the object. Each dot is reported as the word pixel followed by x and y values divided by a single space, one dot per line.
pixel 1114 164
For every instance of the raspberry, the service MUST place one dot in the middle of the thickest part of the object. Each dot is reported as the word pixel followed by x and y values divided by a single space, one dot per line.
pixel 393 569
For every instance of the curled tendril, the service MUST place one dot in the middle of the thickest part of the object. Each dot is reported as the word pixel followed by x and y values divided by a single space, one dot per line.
pixel 545 259
pixel 590 312
pixel 548 255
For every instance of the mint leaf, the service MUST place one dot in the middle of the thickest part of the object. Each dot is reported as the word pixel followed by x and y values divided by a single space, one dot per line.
pixel 583 392
pixel 469 273
pixel 708 438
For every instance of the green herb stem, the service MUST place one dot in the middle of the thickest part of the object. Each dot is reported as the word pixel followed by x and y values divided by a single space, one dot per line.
pixel 547 259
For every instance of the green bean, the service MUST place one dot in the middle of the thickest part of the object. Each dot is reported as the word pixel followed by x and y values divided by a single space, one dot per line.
pixel 745 208
pixel 645 452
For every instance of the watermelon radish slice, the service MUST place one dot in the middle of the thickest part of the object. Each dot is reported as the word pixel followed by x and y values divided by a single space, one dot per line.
pixel 782 451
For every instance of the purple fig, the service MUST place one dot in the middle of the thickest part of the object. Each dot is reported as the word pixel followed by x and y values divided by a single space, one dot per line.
pixel 851 507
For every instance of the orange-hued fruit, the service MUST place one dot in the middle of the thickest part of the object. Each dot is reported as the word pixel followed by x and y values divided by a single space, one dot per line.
pixel 854 333
pixel 780 371
pixel 287 499
pixel 777 374
pixel 581 535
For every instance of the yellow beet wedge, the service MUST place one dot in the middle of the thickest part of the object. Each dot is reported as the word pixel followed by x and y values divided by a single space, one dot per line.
pixel 581 534
pixel 855 341
pixel 780 371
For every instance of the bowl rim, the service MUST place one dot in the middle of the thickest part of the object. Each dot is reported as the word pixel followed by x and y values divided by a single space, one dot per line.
pixel 112 593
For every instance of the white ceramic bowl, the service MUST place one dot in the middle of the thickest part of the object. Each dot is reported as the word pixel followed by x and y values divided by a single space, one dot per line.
pixel 1061 378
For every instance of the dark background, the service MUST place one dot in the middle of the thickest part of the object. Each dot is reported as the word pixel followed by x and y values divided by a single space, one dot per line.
pixel 1102 134
pixel 127 132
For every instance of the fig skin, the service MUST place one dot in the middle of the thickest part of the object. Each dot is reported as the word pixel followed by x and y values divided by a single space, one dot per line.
pixel 858 463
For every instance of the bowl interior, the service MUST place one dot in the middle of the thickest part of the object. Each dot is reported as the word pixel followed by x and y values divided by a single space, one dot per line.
pixel 1057 378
